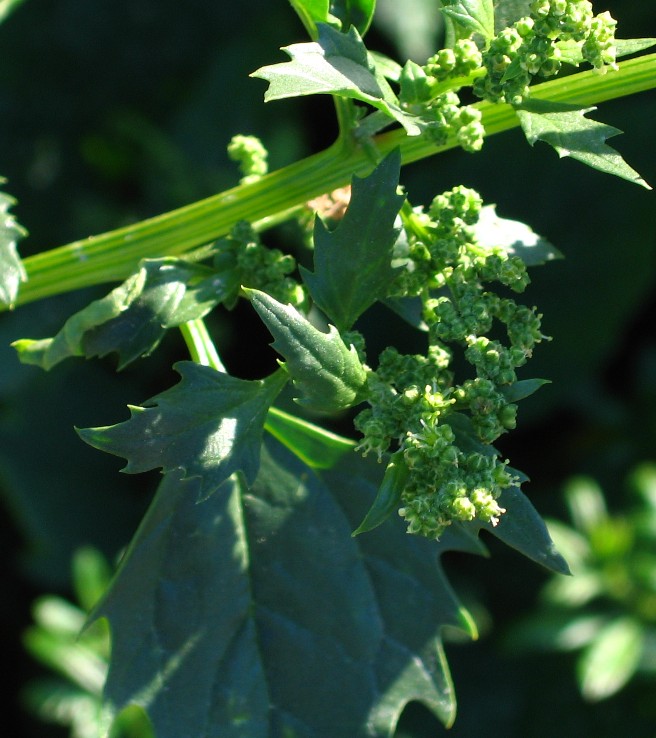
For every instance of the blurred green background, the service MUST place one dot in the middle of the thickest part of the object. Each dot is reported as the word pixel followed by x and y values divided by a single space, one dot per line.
pixel 114 111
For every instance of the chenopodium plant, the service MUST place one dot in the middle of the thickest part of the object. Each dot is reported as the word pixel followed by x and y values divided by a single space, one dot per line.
pixel 607 610
pixel 244 604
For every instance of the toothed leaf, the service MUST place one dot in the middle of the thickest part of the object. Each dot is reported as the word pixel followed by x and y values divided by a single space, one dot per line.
pixel 133 318
pixel 566 128
pixel 327 372
pixel 209 425
pixel 336 64
pixel 353 262
pixel 12 272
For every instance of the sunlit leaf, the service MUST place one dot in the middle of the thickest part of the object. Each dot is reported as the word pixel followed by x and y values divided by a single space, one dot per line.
pixel 12 272
pixel 515 237
pixel 570 133
pixel 336 64
pixel 209 425
pixel 133 318
pixel 327 372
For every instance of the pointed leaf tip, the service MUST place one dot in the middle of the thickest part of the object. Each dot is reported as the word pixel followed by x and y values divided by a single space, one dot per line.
pixel 209 425
pixel 353 262
pixel 327 372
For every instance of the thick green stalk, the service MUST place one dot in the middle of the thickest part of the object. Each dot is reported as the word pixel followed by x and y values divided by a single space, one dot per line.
pixel 114 255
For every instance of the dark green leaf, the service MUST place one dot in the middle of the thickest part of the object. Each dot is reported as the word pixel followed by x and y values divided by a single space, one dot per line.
pixel 522 528
pixel 387 498
pixel 566 128
pixel 336 64
pixel 358 13
pixel 132 319
pixel 522 389
pixel 327 372
pixel 230 619
pixel 315 446
pixel 515 237
pixel 506 12
pixel 408 308
pixel 470 16
pixel 209 425
pixel 352 264
pixel 12 272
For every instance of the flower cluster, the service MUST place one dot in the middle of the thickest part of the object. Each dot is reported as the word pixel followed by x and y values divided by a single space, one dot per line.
pixel 430 92
pixel 537 45
pixel 257 266
pixel 250 154
pixel 439 429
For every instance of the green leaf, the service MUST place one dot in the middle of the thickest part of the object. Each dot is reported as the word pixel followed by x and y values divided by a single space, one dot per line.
pixel 12 272
pixel 388 496
pixel 522 528
pixel 315 446
pixel 358 13
pixel 229 619
pixel 566 128
pixel 522 389
pixel 515 237
pixel 470 17
pixel 311 12
pixel 506 12
pixel 133 318
pixel 325 370
pixel 336 64
pixel 7 7
pixel 626 46
pixel 571 51
pixel 209 425
pixel 610 661
pixel 353 262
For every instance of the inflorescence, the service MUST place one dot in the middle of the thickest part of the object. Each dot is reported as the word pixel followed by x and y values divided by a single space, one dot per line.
pixel 535 46
pixel 441 430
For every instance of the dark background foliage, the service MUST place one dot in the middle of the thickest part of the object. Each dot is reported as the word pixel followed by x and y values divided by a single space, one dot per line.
pixel 115 111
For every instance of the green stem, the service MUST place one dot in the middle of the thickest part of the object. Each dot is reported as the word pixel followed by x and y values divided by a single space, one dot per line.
pixel 201 347
pixel 113 256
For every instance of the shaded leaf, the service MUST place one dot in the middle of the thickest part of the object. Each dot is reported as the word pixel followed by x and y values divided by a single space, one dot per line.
pixel 327 372
pixel 570 133
pixel 209 425
pixel 315 446
pixel 387 498
pixel 358 13
pixel 522 389
pixel 515 237
pixel 228 616
pixel 12 272
pixel 133 318
pixel 506 12
pixel 470 16
pixel 522 528
pixel 352 263
pixel 336 64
